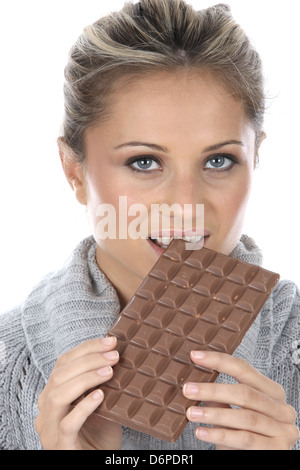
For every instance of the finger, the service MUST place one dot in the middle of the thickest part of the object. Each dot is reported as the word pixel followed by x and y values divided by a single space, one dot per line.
pixel 240 440
pixel 240 395
pixel 71 424
pixel 81 365
pixel 57 402
pixel 237 419
pixel 240 370
pixel 87 347
pixel 68 392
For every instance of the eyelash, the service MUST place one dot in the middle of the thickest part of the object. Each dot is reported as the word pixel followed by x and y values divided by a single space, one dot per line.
pixel 229 156
pixel 132 160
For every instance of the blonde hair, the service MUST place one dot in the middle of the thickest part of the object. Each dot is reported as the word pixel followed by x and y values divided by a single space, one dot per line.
pixel 157 35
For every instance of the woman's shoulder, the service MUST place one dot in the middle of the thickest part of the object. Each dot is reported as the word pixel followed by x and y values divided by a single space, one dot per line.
pixel 20 384
pixel 286 300
pixel 13 343
pixel 286 309
pixel 282 319
pixel 283 305
pixel 11 330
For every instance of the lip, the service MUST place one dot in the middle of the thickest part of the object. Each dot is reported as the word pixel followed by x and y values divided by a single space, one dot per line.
pixel 159 250
pixel 180 233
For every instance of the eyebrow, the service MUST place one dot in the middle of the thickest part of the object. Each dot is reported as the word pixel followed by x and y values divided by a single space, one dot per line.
pixel 142 144
pixel 210 148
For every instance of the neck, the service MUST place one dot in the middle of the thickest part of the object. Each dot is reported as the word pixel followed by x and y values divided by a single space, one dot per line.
pixel 124 284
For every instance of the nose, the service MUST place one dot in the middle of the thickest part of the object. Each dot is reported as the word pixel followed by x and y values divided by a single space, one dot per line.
pixel 183 194
pixel 184 188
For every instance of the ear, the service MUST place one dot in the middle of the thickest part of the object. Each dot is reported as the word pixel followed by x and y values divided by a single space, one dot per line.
pixel 262 137
pixel 73 170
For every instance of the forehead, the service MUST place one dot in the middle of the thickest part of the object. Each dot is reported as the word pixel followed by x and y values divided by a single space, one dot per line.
pixel 172 88
pixel 165 104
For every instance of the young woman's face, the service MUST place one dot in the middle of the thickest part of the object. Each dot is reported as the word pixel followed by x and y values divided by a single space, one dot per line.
pixel 173 139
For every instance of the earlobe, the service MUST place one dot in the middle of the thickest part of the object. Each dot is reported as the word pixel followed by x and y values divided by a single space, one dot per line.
pixel 73 171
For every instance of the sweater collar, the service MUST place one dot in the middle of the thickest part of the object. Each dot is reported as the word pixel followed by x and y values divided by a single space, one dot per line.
pixel 78 303
pixel 246 250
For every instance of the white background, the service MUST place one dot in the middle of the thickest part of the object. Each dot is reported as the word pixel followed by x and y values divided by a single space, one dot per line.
pixel 40 220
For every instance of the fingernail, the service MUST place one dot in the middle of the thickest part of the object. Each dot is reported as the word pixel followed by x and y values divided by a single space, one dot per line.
pixel 108 340
pixel 198 354
pixel 201 433
pixel 190 389
pixel 104 371
pixel 111 355
pixel 97 395
pixel 195 412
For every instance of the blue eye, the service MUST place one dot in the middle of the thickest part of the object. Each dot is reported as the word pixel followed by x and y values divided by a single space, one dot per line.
pixel 143 164
pixel 222 162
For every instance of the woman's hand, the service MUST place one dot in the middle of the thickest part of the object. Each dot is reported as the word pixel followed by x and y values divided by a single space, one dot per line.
pixel 264 420
pixel 62 426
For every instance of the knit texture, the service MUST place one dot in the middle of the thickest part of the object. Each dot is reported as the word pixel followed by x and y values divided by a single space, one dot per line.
pixel 78 303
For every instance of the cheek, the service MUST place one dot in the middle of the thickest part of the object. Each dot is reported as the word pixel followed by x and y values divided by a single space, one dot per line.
pixel 232 204
pixel 228 215
pixel 235 204
pixel 238 198
pixel 118 197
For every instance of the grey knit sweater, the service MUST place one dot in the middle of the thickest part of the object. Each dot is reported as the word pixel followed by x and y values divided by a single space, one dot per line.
pixel 78 303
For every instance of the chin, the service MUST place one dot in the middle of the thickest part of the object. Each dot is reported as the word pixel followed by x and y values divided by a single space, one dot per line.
pixel 223 244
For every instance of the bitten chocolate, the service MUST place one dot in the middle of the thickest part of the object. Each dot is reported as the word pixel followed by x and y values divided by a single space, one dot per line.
pixel 190 300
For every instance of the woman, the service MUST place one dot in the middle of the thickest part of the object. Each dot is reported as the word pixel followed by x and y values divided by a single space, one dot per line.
pixel 163 105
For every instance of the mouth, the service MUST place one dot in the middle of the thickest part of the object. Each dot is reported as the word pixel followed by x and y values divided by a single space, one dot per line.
pixel 160 244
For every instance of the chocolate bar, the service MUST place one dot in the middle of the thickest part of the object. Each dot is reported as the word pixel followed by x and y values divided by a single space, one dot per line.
pixel 190 300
